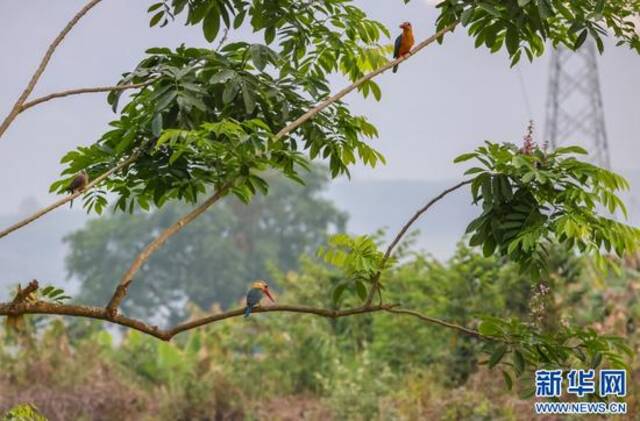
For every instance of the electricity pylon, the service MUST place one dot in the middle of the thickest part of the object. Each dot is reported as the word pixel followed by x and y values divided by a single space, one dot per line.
pixel 574 103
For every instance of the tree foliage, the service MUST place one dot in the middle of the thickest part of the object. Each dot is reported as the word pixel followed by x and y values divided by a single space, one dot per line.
pixel 533 199
pixel 211 118
pixel 524 26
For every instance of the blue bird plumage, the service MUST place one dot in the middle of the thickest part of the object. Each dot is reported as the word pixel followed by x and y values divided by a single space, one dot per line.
pixel 253 299
pixel 396 51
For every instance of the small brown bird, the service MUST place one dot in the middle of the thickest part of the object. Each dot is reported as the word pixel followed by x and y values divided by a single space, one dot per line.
pixel 79 183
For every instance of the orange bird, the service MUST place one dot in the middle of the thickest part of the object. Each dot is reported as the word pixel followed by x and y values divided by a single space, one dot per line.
pixel 404 43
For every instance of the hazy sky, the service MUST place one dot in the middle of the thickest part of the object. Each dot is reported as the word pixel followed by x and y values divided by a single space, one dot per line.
pixel 442 102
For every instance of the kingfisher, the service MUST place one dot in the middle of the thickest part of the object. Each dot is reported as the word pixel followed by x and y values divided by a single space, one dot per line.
pixel 257 290
pixel 404 43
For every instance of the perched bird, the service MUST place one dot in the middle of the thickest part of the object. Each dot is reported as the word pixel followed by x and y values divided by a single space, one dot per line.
pixel 404 43
pixel 78 183
pixel 258 289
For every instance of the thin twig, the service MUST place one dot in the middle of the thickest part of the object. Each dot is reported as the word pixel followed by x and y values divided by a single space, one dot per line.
pixel 70 197
pixel 403 231
pixel 78 91
pixel 127 278
pixel 440 322
pixel 223 39
pixel 43 64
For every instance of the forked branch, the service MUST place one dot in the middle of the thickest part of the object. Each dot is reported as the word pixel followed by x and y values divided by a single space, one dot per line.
pixel 78 91
pixel 121 289
pixel 17 107
pixel 403 231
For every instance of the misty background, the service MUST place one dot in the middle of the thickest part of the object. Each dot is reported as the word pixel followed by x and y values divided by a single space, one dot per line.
pixel 443 102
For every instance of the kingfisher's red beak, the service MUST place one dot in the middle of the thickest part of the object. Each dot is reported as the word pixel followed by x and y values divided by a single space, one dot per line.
pixel 268 294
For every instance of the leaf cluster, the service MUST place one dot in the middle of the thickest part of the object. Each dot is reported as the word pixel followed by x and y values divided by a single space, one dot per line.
pixel 532 200
pixel 520 349
pixel 524 26
pixel 357 258
pixel 209 118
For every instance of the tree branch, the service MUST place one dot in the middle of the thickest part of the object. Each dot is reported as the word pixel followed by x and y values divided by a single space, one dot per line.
pixel 100 313
pixel 43 64
pixel 70 197
pixel 121 289
pixel 78 91
pixel 324 104
pixel 446 324
pixel 403 231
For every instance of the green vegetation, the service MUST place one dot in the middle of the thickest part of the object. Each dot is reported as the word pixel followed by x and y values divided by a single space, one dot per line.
pixel 367 367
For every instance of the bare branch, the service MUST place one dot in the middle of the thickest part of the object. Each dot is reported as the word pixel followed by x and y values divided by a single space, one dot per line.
pixel 223 39
pixel 324 104
pixel 404 230
pixel 121 290
pixel 43 64
pixel 99 313
pixel 433 320
pixel 417 216
pixel 78 91
pixel 70 197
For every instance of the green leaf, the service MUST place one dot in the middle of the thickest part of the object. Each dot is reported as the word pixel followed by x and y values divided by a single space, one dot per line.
pixel 361 289
pixel 581 39
pixel 512 40
pixel 257 56
pixel 338 291
pixel 489 328
pixel 464 157
pixel 211 24
pixel 248 99
pixel 497 355
pixel 230 91
pixel 156 18
pixel 269 34
pixel 518 362
pixel 571 149
pixel 156 124
pixel 223 76
pixel 466 16
pixel 507 379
